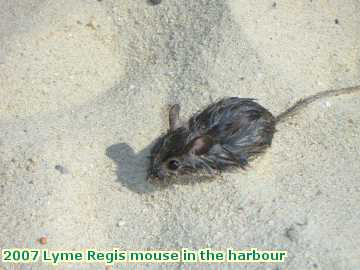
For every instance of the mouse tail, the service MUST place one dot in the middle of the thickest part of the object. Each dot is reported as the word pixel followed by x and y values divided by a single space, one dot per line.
pixel 304 102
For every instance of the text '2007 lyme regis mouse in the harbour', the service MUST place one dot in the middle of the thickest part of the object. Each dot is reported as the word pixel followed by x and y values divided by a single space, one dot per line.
pixel 227 134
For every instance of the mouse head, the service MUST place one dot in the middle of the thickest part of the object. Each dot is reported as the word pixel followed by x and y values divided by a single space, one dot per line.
pixel 177 152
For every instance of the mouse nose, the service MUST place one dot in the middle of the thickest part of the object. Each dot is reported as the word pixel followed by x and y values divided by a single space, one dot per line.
pixel 155 174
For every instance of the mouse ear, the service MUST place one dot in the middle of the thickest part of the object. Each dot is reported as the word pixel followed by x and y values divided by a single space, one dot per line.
pixel 174 120
pixel 201 145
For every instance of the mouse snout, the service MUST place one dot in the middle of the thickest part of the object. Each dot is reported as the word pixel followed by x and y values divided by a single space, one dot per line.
pixel 155 173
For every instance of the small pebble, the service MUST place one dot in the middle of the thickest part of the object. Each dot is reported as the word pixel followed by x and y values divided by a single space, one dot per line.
pixel 61 169
pixel 43 240
pixel 120 223
pixel 30 160
pixel 155 2
pixel 291 234
pixel 91 25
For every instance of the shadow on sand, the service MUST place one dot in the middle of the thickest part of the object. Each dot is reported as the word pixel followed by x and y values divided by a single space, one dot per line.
pixel 131 167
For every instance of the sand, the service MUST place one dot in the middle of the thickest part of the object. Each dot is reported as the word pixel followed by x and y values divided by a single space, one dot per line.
pixel 84 87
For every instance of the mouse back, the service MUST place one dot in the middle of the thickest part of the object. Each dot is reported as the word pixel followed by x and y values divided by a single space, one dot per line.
pixel 240 128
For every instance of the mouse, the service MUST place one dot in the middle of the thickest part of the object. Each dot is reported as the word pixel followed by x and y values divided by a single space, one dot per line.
pixel 226 135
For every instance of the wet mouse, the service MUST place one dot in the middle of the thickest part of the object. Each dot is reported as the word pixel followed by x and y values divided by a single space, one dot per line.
pixel 226 134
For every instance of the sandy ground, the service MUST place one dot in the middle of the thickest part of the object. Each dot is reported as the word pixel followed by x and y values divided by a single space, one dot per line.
pixel 84 87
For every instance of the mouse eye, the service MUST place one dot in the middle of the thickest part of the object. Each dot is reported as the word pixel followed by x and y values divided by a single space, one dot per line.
pixel 173 164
